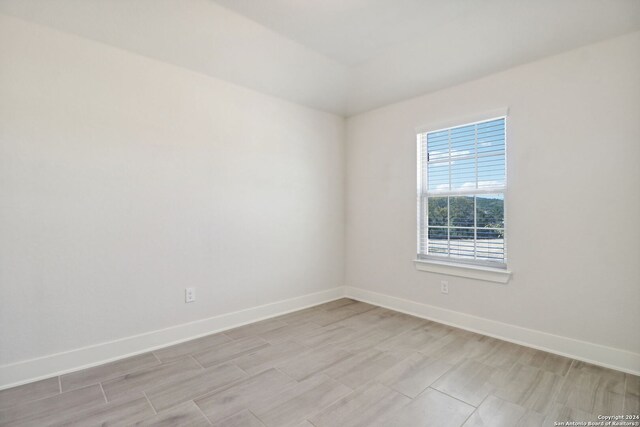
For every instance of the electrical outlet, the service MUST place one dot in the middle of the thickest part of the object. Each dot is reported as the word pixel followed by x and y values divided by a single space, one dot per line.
pixel 189 294
pixel 444 286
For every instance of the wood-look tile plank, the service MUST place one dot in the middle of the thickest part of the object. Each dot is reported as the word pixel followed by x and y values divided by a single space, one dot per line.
pixel 438 329
pixel 495 412
pixel 458 349
pixel 361 408
pixel 107 371
pixel 414 374
pixel 531 388
pixel 358 307
pixel 502 354
pixel 361 307
pixel 255 329
pixel 241 419
pixel 431 408
pixel 267 401
pixel 545 361
pixel 300 316
pixel 229 351
pixel 368 319
pixel 435 347
pixel 55 409
pixel 326 335
pixel 290 332
pixel 313 361
pixel 324 318
pixel 381 313
pixel 144 379
pixel 469 381
pixel 29 392
pixel 336 303
pixel 181 350
pixel 563 414
pixel 615 380
pixel 362 340
pixel 632 394
pixel 255 391
pixel 631 404
pixel 305 400
pixel 469 335
pixel 414 340
pixel 216 378
pixel 122 412
pixel 184 415
pixel 592 389
pixel 632 384
pixel 269 357
pixel 400 322
pixel 355 371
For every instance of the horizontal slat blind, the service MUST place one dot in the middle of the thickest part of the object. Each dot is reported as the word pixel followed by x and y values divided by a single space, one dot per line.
pixel 462 184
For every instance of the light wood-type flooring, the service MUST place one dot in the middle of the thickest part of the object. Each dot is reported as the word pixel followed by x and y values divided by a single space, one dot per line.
pixel 344 363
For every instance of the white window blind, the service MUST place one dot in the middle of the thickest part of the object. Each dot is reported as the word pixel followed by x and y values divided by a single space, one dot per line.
pixel 461 189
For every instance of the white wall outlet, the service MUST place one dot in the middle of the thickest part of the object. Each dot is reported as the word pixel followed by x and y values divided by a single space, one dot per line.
pixel 444 286
pixel 189 294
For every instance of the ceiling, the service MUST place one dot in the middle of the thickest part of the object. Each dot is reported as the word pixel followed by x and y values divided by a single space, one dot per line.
pixel 354 31
pixel 341 56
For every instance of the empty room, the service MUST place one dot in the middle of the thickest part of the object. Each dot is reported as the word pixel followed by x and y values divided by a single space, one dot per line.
pixel 320 213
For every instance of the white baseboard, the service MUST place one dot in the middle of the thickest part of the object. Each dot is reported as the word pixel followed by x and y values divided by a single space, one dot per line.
pixel 608 357
pixel 26 371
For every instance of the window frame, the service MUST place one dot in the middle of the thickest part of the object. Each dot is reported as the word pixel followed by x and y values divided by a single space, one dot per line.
pixel 423 197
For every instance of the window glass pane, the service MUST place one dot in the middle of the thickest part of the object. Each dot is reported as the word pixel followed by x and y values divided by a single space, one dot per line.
pixel 461 211
pixel 438 145
pixel 438 211
pixel 490 211
pixel 491 136
pixel 463 141
pixel 438 176
pixel 490 244
pixel 438 233
pixel 463 174
pixel 462 166
pixel 438 241
pixel 438 247
pixel 491 171
pixel 491 124
pixel 461 242
pixel 490 233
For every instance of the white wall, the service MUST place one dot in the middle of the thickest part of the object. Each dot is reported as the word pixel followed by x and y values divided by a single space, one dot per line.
pixel 123 180
pixel 573 198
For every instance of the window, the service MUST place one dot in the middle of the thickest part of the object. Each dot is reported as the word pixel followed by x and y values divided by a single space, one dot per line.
pixel 461 189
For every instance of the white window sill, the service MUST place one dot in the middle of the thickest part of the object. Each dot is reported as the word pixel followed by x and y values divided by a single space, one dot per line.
pixel 488 274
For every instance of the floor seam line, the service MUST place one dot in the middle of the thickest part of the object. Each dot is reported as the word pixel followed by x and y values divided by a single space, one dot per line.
pixel 447 394
pixel 624 392
pixel 103 393
pixel 144 393
pixel 202 412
